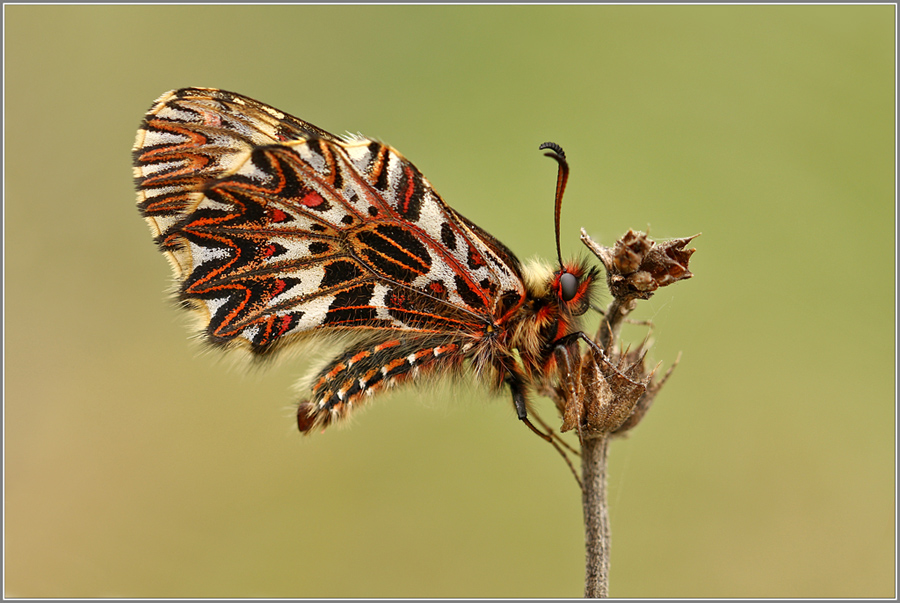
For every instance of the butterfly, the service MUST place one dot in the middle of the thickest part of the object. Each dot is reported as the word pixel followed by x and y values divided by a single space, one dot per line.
pixel 280 233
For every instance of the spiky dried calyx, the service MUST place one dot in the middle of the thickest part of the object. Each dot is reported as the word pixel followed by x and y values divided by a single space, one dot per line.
pixel 606 395
pixel 637 265
pixel 601 396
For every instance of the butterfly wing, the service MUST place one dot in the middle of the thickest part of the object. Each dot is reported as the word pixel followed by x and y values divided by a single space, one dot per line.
pixel 276 228
pixel 193 136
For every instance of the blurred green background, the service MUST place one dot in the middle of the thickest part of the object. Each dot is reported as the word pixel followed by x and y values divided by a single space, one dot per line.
pixel 138 465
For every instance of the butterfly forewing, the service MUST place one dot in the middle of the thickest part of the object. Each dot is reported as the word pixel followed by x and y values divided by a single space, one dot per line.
pixel 276 228
pixel 193 135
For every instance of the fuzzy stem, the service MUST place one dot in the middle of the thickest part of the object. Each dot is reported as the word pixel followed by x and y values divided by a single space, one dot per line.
pixel 596 516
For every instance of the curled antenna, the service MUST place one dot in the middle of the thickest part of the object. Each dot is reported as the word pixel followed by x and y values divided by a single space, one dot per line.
pixel 562 177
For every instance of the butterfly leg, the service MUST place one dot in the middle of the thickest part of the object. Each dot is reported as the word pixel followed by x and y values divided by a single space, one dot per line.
pixel 517 387
pixel 518 393
pixel 571 338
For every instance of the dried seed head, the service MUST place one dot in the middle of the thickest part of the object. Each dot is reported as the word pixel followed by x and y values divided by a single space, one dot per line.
pixel 604 397
pixel 607 395
pixel 637 266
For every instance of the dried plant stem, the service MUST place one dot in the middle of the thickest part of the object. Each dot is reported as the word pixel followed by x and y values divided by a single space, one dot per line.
pixel 594 448
pixel 612 324
pixel 612 389
pixel 596 516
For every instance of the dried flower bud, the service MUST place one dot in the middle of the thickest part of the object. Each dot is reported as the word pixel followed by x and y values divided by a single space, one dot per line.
pixel 630 250
pixel 608 395
pixel 668 262
pixel 604 396
pixel 637 266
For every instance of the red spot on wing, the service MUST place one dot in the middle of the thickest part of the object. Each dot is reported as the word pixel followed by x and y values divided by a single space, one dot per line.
pixel 410 188
pixel 211 118
pixel 397 299
pixel 275 327
pixel 276 215
pixel 312 199
pixel 284 326
pixel 475 259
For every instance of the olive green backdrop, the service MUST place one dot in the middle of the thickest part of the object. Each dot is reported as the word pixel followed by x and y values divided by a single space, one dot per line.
pixel 139 465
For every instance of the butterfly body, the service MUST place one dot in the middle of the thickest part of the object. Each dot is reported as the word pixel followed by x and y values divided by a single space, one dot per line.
pixel 281 233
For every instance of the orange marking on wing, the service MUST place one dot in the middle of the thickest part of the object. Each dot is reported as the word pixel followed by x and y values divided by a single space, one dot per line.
pixel 410 188
pixel 285 324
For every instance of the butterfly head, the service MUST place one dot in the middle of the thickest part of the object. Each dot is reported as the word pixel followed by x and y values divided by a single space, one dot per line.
pixel 572 283
pixel 564 291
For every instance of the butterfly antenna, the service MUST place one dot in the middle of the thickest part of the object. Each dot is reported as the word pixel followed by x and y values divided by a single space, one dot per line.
pixel 562 177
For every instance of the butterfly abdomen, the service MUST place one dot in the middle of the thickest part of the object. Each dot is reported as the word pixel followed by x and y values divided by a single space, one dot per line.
pixel 349 379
